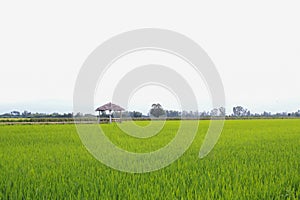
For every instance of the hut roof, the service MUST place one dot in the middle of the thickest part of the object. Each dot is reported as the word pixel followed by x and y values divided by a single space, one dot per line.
pixel 110 106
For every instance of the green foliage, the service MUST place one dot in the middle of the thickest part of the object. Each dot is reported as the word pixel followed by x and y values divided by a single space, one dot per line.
pixel 157 110
pixel 254 159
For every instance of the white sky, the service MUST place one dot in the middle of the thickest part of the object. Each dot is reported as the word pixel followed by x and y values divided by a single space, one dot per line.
pixel 144 97
pixel 255 46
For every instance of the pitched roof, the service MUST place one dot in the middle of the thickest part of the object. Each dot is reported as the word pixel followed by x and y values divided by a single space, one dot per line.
pixel 110 106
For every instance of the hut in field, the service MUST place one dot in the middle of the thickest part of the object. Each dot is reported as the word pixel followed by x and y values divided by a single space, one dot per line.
pixel 111 108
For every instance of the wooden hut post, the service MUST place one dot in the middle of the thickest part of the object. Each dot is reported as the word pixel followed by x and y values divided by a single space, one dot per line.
pixel 99 117
pixel 110 116
pixel 120 116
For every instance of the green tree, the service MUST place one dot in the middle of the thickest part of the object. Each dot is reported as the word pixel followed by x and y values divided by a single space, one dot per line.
pixel 157 110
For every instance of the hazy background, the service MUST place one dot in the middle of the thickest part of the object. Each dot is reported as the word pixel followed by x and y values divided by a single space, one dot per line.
pixel 254 45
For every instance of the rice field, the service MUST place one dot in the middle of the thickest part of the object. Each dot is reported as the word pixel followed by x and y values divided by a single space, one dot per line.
pixel 253 159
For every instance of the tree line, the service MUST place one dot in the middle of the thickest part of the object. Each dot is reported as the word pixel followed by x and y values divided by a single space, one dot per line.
pixel 158 111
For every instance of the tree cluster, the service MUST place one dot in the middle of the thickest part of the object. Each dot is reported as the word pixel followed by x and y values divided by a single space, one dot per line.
pixel 158 111
pixel 27 114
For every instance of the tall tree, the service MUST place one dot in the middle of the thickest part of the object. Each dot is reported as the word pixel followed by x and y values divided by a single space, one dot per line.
pixel 239 111
pixel 157 110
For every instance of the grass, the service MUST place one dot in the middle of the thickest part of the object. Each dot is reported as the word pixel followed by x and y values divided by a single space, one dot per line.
pixel 254 159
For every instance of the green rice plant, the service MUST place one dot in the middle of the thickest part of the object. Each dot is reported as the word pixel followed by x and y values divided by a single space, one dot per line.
pixel 253 159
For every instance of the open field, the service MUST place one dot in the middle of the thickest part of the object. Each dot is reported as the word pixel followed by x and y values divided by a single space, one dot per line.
pixel 70 120
pixel 254 159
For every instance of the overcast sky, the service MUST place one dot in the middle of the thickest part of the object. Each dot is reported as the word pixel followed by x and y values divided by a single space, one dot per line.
pixel 255 46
